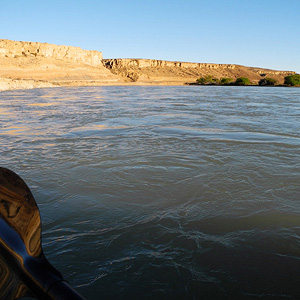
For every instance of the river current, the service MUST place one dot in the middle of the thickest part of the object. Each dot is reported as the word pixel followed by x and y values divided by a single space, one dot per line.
pixel 163 192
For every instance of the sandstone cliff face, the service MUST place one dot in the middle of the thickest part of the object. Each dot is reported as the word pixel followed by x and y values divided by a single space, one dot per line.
pixel 153 63
pixel 13 49
pixel 159 71
pixel 32 64
pixel 21 63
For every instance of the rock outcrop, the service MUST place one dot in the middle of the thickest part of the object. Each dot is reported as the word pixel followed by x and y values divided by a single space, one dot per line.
pixel 153 63
pixel 14 49
pixel 24 62
pixel 160 72
pixel 32 64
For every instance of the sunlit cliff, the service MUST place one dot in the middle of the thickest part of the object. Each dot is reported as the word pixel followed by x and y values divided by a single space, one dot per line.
pixel 33 64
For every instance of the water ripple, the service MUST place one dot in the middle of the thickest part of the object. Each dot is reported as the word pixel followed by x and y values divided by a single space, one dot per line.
pixel 163 192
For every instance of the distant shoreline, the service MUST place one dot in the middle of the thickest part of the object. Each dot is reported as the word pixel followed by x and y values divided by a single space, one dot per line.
pixel 11 85
pixel 27 65
pixel 248 85
pixel 7 84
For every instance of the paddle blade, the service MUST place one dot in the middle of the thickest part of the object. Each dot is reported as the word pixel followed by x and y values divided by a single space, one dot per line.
pixel 19 210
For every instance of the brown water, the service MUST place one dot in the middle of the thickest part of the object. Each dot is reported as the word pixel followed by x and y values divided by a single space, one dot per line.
pixel 163 192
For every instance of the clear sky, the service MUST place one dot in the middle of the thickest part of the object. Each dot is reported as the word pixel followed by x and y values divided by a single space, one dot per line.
pixel 258 33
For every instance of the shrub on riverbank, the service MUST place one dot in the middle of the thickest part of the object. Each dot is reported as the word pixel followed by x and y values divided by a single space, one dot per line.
pixel 292 80
pixel 242 81
pixel 209 79
pixel 268 81
pixel 226 81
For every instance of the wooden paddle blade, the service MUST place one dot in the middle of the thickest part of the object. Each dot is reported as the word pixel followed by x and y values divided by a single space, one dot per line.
pixel 19 210
pixel 22 261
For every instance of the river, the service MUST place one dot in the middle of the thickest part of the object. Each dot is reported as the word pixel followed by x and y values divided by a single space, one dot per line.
pixel 188 192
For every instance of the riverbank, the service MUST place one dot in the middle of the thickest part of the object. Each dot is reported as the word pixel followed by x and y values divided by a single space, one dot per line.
pixel 25 65
pixel 7 84
pixel 13 84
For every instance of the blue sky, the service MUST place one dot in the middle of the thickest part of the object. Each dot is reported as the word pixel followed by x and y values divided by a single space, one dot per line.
pixel 258 33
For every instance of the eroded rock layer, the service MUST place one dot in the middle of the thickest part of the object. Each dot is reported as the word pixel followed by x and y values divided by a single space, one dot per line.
pixel 14 49
pixel 25 64
pixel 33 64
pixel 159 71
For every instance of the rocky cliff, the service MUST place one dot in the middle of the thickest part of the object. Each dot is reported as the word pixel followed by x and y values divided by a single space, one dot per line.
pixel 32 64
pixel 14 49
pixel 21 63
pixel 160 72
pixel 153 63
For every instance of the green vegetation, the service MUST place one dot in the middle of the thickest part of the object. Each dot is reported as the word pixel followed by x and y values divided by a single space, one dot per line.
pixel 267 81
pixel 226 81
pixel 209 79
pixel 292 80
pixel 242 81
